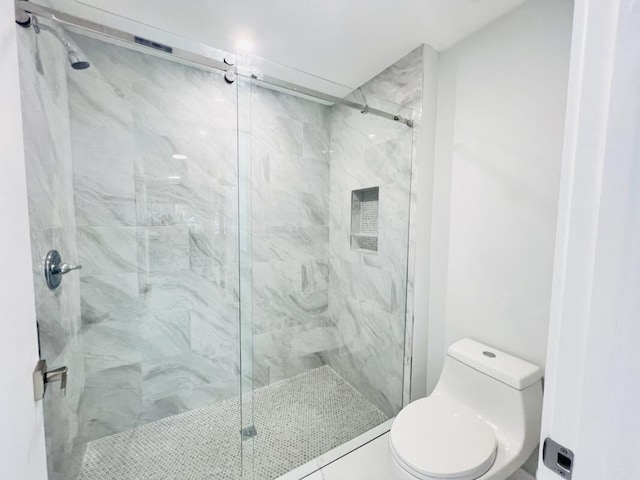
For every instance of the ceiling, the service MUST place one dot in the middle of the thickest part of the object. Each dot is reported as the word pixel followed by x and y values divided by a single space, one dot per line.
pixel 346 41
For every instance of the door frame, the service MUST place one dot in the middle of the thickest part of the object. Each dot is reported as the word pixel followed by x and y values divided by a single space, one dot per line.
pixel 593 366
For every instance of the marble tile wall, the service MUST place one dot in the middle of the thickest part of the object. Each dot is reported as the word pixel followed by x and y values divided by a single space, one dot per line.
pixel 45 110
pixel 155 181
pixel 402 84
pixel 290 235
pixel 371 294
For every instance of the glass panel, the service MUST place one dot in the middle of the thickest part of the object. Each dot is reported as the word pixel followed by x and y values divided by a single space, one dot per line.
pixel 246 268
pixel 132 172
pixel 328 318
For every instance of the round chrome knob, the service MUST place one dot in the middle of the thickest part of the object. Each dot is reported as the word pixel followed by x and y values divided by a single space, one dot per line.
pixel 54 269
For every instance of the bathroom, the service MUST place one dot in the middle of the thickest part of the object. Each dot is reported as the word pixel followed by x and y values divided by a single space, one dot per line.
pixel 263 247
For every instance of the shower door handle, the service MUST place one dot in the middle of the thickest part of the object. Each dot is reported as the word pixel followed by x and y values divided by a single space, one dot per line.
pixel 42 376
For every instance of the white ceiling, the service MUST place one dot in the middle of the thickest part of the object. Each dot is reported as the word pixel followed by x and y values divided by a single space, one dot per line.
pixel 346 41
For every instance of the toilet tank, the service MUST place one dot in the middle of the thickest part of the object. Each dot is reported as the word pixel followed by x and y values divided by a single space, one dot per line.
pixel 502 389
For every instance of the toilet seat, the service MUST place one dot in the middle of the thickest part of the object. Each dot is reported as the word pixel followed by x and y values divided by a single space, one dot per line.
pixel 436 439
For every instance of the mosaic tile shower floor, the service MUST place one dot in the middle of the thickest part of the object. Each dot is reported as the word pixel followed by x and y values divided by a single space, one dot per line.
pixel 297 420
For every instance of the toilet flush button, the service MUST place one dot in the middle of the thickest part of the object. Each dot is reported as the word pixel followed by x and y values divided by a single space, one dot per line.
pixel 489 354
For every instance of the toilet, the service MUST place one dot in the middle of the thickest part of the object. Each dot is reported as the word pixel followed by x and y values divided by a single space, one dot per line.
pixel 482 421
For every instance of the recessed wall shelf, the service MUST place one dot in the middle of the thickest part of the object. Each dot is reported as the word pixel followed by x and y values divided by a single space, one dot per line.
pixel 364 220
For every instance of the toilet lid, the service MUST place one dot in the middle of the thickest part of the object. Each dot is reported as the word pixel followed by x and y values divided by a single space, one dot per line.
pixel 432 438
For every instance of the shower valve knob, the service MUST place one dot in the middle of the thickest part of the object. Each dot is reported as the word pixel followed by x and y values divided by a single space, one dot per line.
pixel 54 269
pixel 66 268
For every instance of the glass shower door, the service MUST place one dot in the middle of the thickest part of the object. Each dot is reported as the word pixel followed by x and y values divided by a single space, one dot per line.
pixel 326 254
pixel 133 172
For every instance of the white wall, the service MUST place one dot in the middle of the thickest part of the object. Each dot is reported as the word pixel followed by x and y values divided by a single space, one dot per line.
pixel 22 451
pixel 501 103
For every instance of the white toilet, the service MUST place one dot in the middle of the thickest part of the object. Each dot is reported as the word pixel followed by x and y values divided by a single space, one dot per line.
pixel 482 421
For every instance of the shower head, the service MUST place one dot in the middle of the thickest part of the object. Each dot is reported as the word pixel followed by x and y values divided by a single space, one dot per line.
pixel 76 63
pixel 72 52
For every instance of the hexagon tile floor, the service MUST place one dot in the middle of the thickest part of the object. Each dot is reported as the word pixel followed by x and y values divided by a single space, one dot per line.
pixel 296 419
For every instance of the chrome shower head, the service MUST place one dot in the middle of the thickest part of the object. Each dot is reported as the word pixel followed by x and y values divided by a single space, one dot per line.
pixel 72 52
pixel 76 63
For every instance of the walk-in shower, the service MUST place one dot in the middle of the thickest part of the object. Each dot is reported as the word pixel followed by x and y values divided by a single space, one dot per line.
pixel 231 319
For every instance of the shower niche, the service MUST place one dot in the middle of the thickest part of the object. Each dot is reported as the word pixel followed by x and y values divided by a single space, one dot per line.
pixel 364 220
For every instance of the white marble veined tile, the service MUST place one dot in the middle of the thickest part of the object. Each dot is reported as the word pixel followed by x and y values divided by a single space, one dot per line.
pixel 47 151
pixel 401 83
pixel 103 157
pixel 363 325
pixel 175 202
pixel 377 376
pixel 162 249
pixel 164 333
pixel 266 103
pixel 367 283
pixel 289 242
pixel 215 329
pixel 276 279
pixel 189 290
pixel 103 165
pixel 316 142
pixel 224 278
pixel 112 401
pixel 288 293
pixel 350 123
pixel 99 98
pixel 110 344
pixel 289 208
pixel 125 66
pixel 182 374
pixel 276 135
pixel 184 110
pixel 153 336
pixel 295 308
pixel 213 162
pixel 377 164
pixel 118 65
pixel 107 250
pixel 213 241
pixel 110 297
pixel 159 157
pixel 314 275
pixel 291 173
pixel 55 330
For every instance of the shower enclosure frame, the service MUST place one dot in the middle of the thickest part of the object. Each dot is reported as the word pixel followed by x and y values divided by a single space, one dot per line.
pixel 197 59
pixel 245 77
